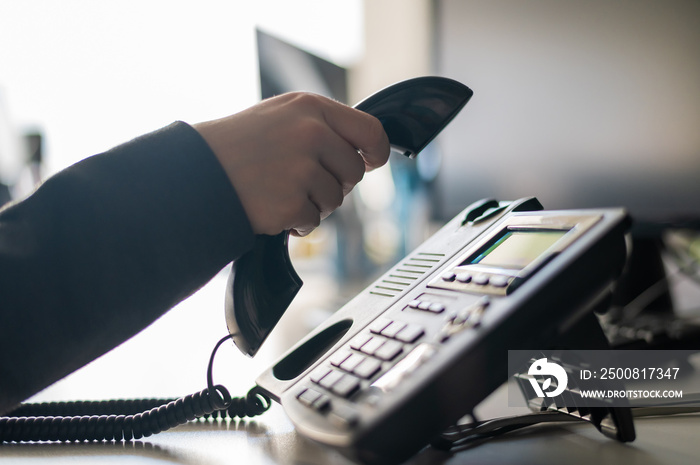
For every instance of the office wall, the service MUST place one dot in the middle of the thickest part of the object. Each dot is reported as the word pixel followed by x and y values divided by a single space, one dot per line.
pixel 579 103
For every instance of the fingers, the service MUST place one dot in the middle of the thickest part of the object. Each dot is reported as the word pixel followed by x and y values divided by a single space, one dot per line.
pixel 361 130
pixel 342 161
pixel 324 196
pixel 326 193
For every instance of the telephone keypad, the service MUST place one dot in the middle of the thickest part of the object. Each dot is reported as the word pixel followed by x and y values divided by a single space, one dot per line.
pixel 366 355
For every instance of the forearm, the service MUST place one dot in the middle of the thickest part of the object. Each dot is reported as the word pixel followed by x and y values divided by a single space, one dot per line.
pixel 104 248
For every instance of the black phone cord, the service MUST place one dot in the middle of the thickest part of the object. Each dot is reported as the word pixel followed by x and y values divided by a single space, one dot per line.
pixel 126 420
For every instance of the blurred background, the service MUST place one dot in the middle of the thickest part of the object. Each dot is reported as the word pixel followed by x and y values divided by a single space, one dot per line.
pixel 582 104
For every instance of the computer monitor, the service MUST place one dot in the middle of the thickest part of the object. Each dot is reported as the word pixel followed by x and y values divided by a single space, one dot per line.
pixel 284 67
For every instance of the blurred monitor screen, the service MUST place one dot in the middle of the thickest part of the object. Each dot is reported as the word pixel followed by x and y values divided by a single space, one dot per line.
pixel 285 67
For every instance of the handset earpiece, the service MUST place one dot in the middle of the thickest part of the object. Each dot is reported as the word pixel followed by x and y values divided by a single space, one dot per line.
pixel 263 282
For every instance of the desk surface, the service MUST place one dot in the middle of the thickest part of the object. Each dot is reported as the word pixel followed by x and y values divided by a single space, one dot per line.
pixel 272 440
pixel 169 359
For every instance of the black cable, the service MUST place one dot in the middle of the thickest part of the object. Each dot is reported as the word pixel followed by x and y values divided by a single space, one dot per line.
pixel 460 436
pixel 126 420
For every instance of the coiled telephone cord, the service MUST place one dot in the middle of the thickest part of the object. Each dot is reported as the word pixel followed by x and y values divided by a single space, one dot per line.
pixel 126 420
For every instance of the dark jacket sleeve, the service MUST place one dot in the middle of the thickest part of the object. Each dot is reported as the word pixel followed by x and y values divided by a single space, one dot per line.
pixel 104 248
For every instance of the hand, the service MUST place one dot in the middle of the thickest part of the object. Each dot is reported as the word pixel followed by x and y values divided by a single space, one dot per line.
pixel 293 158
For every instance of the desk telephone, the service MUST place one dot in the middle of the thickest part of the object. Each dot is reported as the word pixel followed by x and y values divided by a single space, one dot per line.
pixel 426 342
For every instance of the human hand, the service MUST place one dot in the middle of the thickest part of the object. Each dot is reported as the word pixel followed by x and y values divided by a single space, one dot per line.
pixel 293 158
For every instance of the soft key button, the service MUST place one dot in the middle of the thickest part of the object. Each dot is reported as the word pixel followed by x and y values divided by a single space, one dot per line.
pixel 426 306
pixel 499 281
pixel 436 307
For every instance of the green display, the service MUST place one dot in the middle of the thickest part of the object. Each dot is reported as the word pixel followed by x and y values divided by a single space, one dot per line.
pixel 517 249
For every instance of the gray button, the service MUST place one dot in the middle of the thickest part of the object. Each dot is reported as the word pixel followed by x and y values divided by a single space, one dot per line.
pixel 330 379
pixel 464 277
pixel 389 350
pixel 372 345
pixel 319 374
pixel 379 324
pixel 410 333
pixel 345 386
pixel 368 368
pixel 436 308
pixel 339 357
pixel 499 281
pixel 343 417
pixel 309 396
pixel 359 341
pixel 350 363
pixel 393 329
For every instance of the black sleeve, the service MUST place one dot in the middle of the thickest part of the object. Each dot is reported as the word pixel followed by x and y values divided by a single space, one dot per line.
pixel 104 248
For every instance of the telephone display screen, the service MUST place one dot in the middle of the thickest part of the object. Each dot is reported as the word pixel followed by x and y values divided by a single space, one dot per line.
pixel 517 249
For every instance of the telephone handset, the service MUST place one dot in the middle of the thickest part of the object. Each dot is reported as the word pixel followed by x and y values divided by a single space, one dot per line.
pixel 263 282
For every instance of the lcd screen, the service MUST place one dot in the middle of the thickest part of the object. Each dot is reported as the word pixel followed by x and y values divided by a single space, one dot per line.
pixel 517 249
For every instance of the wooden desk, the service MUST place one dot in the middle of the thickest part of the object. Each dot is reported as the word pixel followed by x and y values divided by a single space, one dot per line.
pixel 170 358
